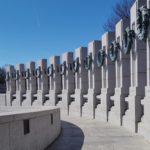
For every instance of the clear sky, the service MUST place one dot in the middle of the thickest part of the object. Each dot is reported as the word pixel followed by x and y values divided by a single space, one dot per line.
pixel 35 29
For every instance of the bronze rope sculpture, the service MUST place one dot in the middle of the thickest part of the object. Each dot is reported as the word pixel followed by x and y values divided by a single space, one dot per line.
pixel 88 62
pixel 50 70
pixel 127 42
pixel 113 50
pixel 75 65
pixel 143 22
pixel 100 58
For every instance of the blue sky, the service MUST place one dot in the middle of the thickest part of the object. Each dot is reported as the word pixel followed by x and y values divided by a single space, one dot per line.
pixel 35 29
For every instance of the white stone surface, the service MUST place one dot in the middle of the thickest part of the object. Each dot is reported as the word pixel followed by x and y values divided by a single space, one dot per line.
pixel 138 76
pixel 12 129
pixel 10 84
pixel 122 65
pixel 68 82
pixel 94 81
pixel 144 125
pixel 20 85
pixel 81 83
pixel 42 84
pixel 85 134
pixel 31 85
pixel 121 99
pixel 55 83
pixel 2 99
pixel 108 80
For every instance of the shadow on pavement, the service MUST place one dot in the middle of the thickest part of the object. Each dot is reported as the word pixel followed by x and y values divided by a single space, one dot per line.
pixel 71 138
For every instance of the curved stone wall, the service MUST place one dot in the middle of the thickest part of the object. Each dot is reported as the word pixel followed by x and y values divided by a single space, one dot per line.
pixel 28 128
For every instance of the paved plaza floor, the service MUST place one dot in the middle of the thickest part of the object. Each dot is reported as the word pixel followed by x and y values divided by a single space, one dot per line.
pixel 85 134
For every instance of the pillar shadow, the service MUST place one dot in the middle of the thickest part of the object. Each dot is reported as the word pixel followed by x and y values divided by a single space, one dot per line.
pixel 71 138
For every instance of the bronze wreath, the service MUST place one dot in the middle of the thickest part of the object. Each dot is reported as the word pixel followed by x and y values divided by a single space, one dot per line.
pixel 88 62
pixel 100 58
pixel 75 65
pixel 17 75
pixel 27 74
pixel 113 50
pixel 63 68
pixel 143 16
pixel 7 77
pixel 127 42
pixel 50 70
pixel 38 72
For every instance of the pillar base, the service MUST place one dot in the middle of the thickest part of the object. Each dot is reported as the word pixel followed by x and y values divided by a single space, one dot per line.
pixel 53 100
pixel 144 125
pixel 77 103
pixel 65 100
pixel 102 110
pixel 88 109
pixel 18 99
pixel 9 98
pixel 27 99
pixel 120 106
pixel 40 98
pixel 134 112
pixel 144 129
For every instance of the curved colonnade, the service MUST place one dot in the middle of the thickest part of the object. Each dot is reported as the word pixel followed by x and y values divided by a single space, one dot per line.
pixel 109 80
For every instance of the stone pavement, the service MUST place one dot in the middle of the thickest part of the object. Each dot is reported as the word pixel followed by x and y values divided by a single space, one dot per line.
pixel 85 134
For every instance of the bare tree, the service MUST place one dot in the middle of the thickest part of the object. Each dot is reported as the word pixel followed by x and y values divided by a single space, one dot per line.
pixel 121 10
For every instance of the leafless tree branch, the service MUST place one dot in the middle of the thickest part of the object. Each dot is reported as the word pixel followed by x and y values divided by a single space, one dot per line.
pixel 121 10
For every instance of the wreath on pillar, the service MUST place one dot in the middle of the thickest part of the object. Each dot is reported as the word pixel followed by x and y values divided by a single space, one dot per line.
pixel 75 65
pixel 88 62
pixel 17 75
pixel 50 70
pixel 143 17
pixel 38 72
pixel 100 58
pixel 7 77
pixel 27 74
pixel 12 75
pixel 63 68
pixel 127 42
pixel 22 74
pixel 113 50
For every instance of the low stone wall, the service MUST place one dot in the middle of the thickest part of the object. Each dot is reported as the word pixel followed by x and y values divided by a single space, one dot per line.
pixel 2 99
pixel 28 128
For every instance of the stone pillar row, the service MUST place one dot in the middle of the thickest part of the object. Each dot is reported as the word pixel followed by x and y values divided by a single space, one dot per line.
pixel 109 80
